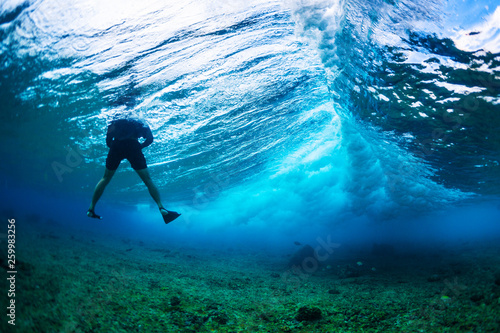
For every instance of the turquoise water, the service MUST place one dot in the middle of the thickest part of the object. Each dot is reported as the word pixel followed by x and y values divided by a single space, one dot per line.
pixel 300 117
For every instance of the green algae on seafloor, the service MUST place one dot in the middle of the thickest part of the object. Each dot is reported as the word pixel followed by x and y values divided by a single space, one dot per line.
pixel 72 284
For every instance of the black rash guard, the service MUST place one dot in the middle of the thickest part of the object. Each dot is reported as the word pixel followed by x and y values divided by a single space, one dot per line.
pixel 126 129
pixel 123 142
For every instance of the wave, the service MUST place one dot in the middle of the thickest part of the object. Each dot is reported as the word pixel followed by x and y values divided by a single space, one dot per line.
pixel 305 110
pixel 396 66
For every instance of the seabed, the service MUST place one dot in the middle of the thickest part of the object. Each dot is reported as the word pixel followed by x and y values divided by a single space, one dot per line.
pixel 70 280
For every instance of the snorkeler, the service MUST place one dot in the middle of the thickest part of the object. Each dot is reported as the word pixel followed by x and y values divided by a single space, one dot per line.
pixel 122 139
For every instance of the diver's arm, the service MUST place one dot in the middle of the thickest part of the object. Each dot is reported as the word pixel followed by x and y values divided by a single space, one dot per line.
pixel 109 137
pixel 148 136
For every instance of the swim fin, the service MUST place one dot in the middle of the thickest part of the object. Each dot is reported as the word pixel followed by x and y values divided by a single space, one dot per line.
pixel 170 216
pixel 92 214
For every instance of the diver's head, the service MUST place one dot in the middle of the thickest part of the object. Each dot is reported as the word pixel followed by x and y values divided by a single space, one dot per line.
pixel 122 107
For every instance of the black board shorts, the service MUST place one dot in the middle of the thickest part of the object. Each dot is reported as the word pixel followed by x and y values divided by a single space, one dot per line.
pixel 126 149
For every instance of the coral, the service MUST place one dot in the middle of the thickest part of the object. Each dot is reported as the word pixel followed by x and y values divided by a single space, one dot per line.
pixel 306 313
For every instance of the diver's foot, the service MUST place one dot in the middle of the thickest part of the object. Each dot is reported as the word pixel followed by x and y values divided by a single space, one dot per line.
pixel 168 215
pixel 92 214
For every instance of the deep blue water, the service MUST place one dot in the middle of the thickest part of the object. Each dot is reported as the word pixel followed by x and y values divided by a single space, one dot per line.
pixel 359 119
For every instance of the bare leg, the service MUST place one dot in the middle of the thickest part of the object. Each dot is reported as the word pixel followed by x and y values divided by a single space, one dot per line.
pixel 167 215
pixel 101 185
pixel 153 190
